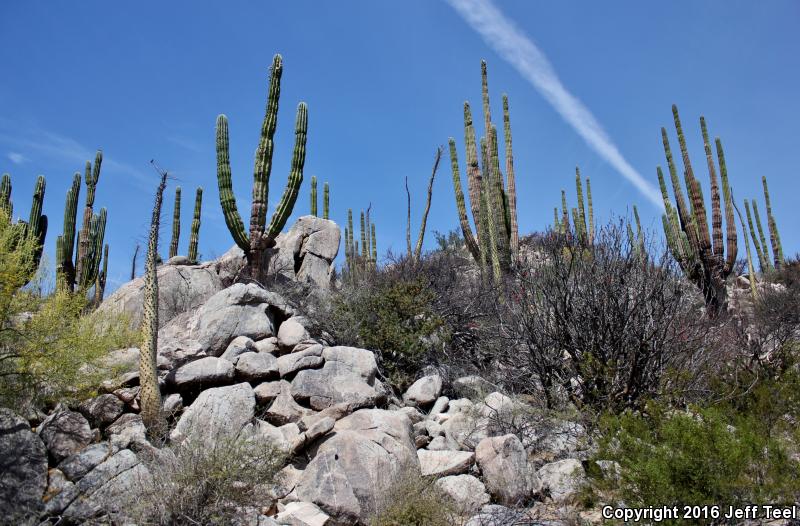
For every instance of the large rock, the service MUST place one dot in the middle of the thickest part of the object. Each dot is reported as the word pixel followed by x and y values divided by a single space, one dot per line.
pixel 65 433
pixel 302 514
pixel 109 487
pixel 424 391
pixel 180 289
pixel 467 493
pixel 284 409
pixel 256 366
pixel 310 358
pixel 239 310
pixel 360 361
pixel 103 409
pixel 206 371
pixel 23 469
pixel 76 466
pixel 354 468
pixel 291 332
pixel 216 414
pixel 443 463
pixel 306 253
pixel 504 464
pixel 128 431
pixel 334 383
pixel 562 479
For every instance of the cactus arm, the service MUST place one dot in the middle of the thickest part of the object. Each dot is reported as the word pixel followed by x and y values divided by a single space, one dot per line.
pixel 195 233
pixel 763 261
pixel 591 211
pixel 564 213
pixel 761 237
pixel 512 182
pixel 263 162
pixel 683 212
pixel 65 267
pixel 463 220
pixel 176 224
pixel 474 175
pixel 424 223
pixel 751 271
pixel 695 192
pixel 774 236
pixel 226 198
pixel 716 210
pixel 581 209
pixel 148 378
pixel 5 196
pixel 556 222
pixel 363 237
pixel 732 247
pixel 100 283
pixel 374 245
pixel 498 205
pixel 314 195
pixel 286 204
pixel 490 248
pixel 350 242
pixel 326 201
pixel 37 222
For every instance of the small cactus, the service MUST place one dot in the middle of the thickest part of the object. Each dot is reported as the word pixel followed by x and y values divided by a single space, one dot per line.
pixel 326 201
pixel 774 236
pixel 314 195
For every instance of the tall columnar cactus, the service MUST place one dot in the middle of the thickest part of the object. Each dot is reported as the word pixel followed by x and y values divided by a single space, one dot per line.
pixel 176 224
pixel 584 229
pixel 774 236
pixel 195 233
pixel 148 377
pixel 374 246
pixel 704 263
pixel 364 248
pixel 262 235
pixel 85 265
pixel 636 241
pixel 36 227
pixel 496 238
pixel 314 195
pixel 761 248
pixel 326 201
pixel 349 240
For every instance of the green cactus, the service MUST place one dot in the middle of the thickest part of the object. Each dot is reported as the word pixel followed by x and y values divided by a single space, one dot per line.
pixel 100 281
pixel 85 265
pixel 314 195
pixel 751 271
pixel 774 236
pixel 704 263
pixel 176 224
pixel 364 248
pixel 326 202
pixel 36 227
pixel 496 237
pixel 349 241
pixel 763 257
pixel 148 376
pixel 262 236
pixel 374 247
pixel 762 239
pixel 195 233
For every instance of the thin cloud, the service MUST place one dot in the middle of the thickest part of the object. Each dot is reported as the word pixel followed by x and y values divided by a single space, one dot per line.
pixel 17 158
pixel 517 49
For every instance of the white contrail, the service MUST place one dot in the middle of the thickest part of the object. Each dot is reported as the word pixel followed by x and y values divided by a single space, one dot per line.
pixel 516 48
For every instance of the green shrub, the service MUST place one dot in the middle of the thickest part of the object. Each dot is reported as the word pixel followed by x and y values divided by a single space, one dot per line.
pixel 414 501
pixel 706 456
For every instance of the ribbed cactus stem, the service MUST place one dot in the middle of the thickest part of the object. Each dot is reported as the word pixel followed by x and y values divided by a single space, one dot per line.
pixel 498 205
pixel 581 226
pixel 512 183
pixel 374 246
pixel 763 260
pixel 289 197
pixel 65 244
pixel 591 211
pixel 774 236
pixel 84 236
pixel 226 197
pixel 148 377
pixel 314 195
pixel 100 283
pixel 176 224
pixel 761 237
pixel 469 239
pixel 349 230
pixel 37 222
pixel 751 271
pixel 5 196
pixel 194 236
pixel 326 201
pixel 363 236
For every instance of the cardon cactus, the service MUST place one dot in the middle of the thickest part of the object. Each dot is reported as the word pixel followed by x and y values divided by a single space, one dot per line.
pixel 37 222
pixel 262 235
pixel 81 273
pixel 314 195
pixel 326 202
pixel 704 262
pixel 494 213
pixel 148 376
pixel 195 233
pixel 176 224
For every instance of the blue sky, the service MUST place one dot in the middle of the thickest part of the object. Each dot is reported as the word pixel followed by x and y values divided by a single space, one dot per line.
pixel 385 83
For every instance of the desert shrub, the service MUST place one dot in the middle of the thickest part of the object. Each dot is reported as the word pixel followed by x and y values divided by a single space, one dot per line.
pixel 704 456
pixel 205 484
pixel 414 501
pixel 50 348
pixel 597 325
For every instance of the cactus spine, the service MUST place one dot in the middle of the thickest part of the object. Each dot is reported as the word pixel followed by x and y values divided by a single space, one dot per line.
pixel 176 224
pixel 195 233
pixel 314 195
pixel 262 236
pixel 496 238
pixel 687 232
pixel 326 201
pixel 148 378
